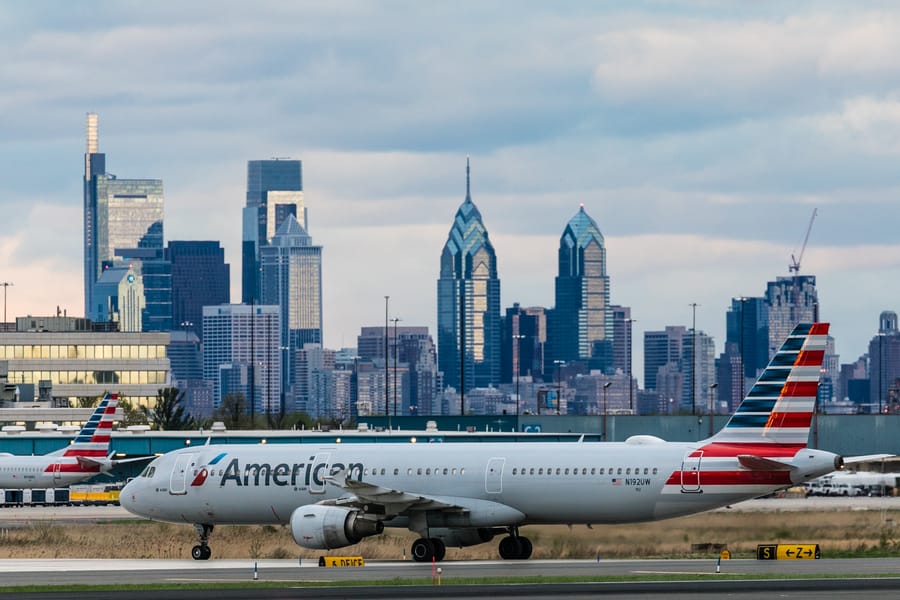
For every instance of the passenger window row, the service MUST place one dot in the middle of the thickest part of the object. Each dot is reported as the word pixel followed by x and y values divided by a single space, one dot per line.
pixel 584 471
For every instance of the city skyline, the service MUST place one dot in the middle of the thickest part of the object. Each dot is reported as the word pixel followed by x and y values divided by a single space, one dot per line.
pixel 699 139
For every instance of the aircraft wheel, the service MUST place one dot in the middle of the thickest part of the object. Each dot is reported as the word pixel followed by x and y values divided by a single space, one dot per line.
pixel 526 548
pixel 440 549
pixel 422 550
pixel 199 552
pixel 510 548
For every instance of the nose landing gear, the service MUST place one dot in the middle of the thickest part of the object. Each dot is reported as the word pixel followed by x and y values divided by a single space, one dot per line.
pixel 202 551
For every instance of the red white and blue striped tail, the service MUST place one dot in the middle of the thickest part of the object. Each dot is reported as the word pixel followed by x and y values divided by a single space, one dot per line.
pixel 779 407
pixel 93 440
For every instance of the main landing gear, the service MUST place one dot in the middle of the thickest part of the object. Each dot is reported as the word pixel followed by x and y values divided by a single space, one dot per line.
pixel 202 550
pixel 514 546
pixel 426 549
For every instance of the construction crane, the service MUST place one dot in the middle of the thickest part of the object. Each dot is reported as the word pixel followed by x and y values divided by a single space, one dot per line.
pixel 794 268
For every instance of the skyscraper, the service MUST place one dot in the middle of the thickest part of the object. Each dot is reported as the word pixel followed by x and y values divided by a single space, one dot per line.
pixel 468 297
pixel 291 278
pixel 200 277
pixel 791 300
pixel 245 338
pixel 747 326
pixel 274 191
pixel 119 215
pixel 581 326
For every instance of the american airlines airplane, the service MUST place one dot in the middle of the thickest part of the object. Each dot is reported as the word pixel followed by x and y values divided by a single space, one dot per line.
pixel 462 494
pixel 85 457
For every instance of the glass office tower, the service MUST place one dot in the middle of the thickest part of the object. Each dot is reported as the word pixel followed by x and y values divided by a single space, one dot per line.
pixel 291 278
pixel 581 327
pixel 274 191
pixel 119 215
pixel 200 277
pixel 468 297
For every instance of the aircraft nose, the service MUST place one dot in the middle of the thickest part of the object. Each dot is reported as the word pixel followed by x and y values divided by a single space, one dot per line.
pixel 130 498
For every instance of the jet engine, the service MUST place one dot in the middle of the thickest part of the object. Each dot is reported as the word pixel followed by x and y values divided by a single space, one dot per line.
pixel 326 527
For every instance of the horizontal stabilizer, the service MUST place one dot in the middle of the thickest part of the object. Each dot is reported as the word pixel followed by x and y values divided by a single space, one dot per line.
pixel 758 463
pixel 850 460
pixel 89 462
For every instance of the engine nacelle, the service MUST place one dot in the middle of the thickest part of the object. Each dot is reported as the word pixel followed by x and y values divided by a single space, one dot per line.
pixel 326 527
pixel 459 538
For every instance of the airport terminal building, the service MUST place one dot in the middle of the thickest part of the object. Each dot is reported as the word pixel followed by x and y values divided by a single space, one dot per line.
pixel 56 361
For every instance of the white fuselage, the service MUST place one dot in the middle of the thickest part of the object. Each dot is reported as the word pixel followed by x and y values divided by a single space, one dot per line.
pixel 545 482
pixel 23 472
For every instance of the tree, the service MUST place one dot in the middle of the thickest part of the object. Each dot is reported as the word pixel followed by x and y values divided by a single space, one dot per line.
pixel 233 411
pixel 130 414
pixel 169 414
pixel 87 402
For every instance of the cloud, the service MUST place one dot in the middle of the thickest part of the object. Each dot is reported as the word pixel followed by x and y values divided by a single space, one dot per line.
pixel 699 137
pixel 694 69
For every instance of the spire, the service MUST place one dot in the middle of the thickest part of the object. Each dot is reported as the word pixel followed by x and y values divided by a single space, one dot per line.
pixel 468 182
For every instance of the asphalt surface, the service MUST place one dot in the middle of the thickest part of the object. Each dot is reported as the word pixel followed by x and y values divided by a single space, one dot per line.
pixel 17 572
pixel 292 578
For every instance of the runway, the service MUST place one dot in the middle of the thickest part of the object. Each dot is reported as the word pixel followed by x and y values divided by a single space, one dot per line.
pixel 291 573
pixel 292 578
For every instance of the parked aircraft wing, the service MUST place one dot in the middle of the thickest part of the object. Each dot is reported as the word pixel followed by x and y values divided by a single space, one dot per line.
pixel 849 460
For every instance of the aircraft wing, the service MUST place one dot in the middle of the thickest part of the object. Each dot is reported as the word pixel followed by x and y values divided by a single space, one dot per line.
pixel 394 502
pixel 376 499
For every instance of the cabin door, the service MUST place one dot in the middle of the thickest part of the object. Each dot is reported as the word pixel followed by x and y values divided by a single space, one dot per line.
pixel 493 476
pixel 690 472
pixel 181 471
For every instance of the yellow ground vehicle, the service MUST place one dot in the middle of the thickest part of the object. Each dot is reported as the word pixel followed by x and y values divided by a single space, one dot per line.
pixel 95 494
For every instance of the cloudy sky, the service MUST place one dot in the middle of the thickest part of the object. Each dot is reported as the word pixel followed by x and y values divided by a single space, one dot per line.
pixel 699 135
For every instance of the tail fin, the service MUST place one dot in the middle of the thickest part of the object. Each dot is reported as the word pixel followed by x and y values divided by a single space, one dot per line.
pixel 93 440
pixel 779 407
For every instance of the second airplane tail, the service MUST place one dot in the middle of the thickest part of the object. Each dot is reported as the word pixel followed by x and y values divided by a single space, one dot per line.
pixel 93 440
pixel 779 407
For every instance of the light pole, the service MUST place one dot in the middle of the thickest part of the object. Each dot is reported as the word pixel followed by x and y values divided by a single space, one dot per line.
pixel 694 306
pixel 517 362
pixel 743 299
pixel 386 354
pixel 605 388
pixel 395 319
pixel 712 405
pixel 630 322
pixel 880 368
